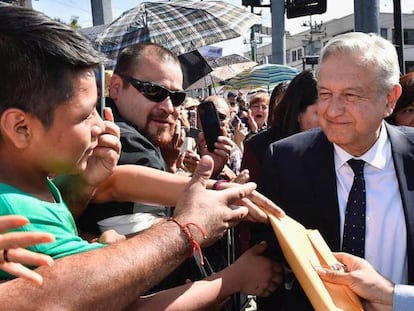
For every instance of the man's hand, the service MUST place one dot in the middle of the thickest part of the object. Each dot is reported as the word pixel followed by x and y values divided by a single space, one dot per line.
pixel 252 122
pixel 213 211
pixel 221 153
pixel 362 279
pixel 259 206
pixel 239 135
pixel 188 161
pixel 260 276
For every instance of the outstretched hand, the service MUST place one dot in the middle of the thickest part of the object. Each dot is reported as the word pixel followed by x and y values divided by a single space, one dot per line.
pixel 214 211
pixel 13 243
pixel 256 274
pixel 259 206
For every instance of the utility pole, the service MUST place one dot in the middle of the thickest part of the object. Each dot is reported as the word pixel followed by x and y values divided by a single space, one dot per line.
pixel 316 34
pixel 101 12
pixel 398 34
pixel 253 45
pixel 313 45
pixel 367 16
pixel 277 9
pixel 24 3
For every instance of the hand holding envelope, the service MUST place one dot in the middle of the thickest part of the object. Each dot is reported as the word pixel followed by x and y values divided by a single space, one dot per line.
pixel 305 250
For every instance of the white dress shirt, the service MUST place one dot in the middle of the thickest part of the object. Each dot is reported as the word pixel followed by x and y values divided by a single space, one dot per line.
pixel 385 235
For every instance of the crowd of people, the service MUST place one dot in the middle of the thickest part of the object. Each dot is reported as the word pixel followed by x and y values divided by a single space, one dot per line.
pixel 132 211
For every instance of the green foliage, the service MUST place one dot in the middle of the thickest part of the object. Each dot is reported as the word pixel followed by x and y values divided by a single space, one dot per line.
pixel 72 24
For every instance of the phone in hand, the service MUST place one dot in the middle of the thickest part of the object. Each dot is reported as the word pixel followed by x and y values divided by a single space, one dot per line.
pixel 210 123
pixel 192 118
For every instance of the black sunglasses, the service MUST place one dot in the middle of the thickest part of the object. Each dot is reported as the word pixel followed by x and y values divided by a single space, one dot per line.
pixel 155 92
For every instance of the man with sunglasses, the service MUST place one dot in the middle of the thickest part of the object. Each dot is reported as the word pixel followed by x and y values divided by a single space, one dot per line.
pixel 145 96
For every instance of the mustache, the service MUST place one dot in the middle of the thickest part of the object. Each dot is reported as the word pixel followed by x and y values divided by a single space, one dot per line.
pixel 164 116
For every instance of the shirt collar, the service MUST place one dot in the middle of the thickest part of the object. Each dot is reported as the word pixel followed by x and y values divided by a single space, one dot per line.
pixel 376 156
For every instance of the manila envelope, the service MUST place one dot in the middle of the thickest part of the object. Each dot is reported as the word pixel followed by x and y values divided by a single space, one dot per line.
pixel 305 249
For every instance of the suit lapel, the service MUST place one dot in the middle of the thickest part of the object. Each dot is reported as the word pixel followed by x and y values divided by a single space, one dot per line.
pixel 402 152
pixel 320 164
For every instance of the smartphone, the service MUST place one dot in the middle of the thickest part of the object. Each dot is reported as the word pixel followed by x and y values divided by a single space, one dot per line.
pixel 210 123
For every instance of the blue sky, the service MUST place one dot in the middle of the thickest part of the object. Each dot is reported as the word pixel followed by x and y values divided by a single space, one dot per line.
pixel 65 9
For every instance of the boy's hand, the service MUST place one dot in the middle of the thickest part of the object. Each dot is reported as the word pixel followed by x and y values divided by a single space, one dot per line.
pixel 105 156
pixel 171 151
pixel 110 237
pixel 16 256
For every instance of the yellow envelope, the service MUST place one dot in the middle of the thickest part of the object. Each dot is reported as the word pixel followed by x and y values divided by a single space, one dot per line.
pixel 305 249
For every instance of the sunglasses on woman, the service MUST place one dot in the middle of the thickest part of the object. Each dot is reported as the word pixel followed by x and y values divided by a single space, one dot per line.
pixel 155 92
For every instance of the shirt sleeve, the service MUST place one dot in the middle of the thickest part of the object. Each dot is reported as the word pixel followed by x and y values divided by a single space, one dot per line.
pixel 403 297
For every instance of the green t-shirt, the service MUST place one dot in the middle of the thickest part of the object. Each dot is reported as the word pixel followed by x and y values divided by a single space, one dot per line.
pixel 54 218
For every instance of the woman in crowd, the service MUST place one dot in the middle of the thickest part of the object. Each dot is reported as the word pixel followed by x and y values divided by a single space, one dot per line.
pixel 258 112
pixel 275 98
pixel 404 108
pixel 296 112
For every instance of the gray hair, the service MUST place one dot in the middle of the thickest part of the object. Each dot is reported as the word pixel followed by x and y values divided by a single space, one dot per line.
pixel 377 52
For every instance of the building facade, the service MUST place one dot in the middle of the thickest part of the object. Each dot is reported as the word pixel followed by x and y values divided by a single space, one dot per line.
pixel 303 49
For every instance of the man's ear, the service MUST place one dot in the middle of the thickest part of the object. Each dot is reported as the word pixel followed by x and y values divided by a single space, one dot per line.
pixel 15 127
pixel 115 86
pixel 392 97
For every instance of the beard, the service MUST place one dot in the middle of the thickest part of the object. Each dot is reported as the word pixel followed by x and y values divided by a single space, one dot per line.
pixel 160 136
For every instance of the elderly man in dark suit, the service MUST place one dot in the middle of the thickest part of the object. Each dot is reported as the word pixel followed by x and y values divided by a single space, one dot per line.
pixel 310 176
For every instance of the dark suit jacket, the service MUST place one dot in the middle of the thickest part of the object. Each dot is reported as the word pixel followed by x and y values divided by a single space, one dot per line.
pixel 299 175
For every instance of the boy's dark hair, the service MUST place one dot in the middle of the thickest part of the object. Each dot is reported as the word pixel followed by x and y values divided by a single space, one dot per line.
pixel 38 59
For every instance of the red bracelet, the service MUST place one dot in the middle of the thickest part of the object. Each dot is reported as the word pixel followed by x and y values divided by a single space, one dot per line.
pixel 216 185
pixel 194 244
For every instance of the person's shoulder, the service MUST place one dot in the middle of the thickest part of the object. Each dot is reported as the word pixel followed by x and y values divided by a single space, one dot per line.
pixel 300 145
pixel 258 139
pixel 128 130
pixel 306 138
pixel 264 138
pixel 405 131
